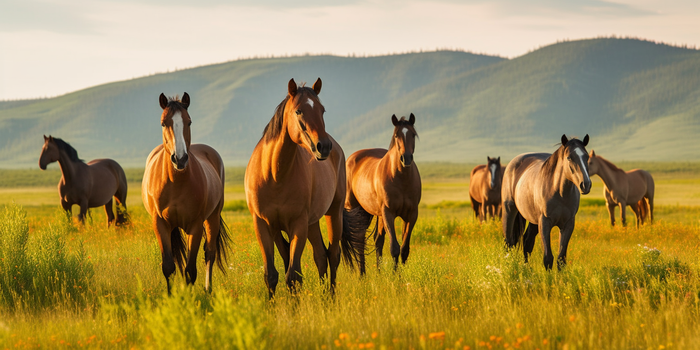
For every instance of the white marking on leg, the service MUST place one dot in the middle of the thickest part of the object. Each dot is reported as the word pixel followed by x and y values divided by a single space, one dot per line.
pixel 178 132
pixel 310 102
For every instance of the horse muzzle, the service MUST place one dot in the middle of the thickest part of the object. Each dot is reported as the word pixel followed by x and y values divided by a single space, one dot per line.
pixel 42 166
pixel 585 187
pixel 406 160
pixel 179 163
pixel 323 149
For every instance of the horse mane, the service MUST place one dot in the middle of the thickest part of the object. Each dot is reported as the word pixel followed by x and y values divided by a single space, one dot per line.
pixel 274 127
pixel 551 162
pixel 64 146
pixel 402 123
pixel 175 105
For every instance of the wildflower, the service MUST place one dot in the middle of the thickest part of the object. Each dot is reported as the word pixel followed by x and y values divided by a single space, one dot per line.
pixel 343 336
pixel 437 335
pixel 374 335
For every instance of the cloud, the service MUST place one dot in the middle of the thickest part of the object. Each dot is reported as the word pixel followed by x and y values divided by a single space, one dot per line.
pixel 553 7
pixel 42 15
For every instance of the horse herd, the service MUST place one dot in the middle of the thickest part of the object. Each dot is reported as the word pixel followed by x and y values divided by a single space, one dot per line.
pixel 298 173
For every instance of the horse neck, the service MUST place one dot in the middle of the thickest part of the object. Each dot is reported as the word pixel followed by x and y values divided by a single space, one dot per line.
pixel 559 181
pixel 69 168
pixel 607 172
pixel 281 154
pixel 392 160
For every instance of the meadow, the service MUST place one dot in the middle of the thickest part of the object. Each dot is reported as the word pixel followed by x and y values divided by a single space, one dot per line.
pixel 63 285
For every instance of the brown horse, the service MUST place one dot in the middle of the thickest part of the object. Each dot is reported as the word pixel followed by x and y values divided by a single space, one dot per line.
pixel 634 188
pixel 485 189
pixel 183 189
pixel 87 185
pixel 544 189
pixel 295 176
pixel 386 184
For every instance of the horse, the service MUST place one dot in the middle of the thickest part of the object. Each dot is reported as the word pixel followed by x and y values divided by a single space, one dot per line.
pixel 386 184
pixel 544 189
pixel 183 189
pixel 485 189
pixel 634 188
pixel 296 175
pixel 87 185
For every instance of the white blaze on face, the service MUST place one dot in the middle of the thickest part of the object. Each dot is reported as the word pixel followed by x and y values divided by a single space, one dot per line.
pixel 405 133
pixel 179 133
pixel 584 169
pixel 492 169
pixel 310 102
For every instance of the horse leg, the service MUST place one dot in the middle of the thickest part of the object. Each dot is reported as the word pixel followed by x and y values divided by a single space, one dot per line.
pixel 475 206
pixel 83 210
pixel 320 251
pixel 546 229
pixel 109 212
pixel 508 220
pixel 529 239
pixel 212 229
pixel 297 240
pixel 194 239
pixel 637 213
pixel 389 219
pixel 650 203
pixel 282 246
pixel 267 247
pixel 163 235
pixel 623 213
pixel 406 239
pixel 120 206
pixel 611 211
pixel 564 237
pixel 379 241
pixel 67 208
pixel 334 223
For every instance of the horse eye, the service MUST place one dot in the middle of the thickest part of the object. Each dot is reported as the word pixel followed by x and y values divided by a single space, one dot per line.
pixel 162 124
pixel 298 111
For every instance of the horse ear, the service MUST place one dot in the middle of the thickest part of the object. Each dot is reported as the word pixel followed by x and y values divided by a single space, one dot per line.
pixel 592 153
pixel 50 138
pixel 45 138
pixel 317 86
pixel 394 120
pixel 585 140
pixel 163 100
pixel 488 159
pixel 292 87
pixel 564 140
pixel 185 100
pixel 412 119
pixel 498 160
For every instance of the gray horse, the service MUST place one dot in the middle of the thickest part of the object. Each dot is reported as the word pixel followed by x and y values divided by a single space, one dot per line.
pixel 544 189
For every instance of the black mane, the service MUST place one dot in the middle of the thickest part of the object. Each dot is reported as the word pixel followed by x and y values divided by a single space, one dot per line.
pixel 274 127
pixel 551 162
pixel 64 146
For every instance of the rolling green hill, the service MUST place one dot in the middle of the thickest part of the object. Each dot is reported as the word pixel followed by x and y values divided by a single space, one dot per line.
pixel 636 99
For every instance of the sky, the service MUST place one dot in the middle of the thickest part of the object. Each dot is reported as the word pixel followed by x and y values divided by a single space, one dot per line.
pixel 52 47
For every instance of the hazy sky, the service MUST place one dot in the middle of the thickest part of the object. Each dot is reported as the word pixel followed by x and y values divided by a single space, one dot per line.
pixel 52 47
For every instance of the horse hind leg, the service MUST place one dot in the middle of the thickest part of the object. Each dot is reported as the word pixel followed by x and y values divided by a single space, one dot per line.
pixel 109 212
pixel 319 249
pixel 380 235
pixel 476 206
pixel 529 239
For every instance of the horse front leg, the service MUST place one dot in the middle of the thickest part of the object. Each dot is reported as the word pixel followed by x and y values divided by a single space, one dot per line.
pixel 546 229
pixel 267 247
pixel 611 211
pixel 297 240
pixel 163 235
pixel 565 233
pixel 320 251
pixel 83 210
pixel 109 212
pixel 395 248
pixel 623 213
pixel 406 239
pixel 194 238
pixel 379 241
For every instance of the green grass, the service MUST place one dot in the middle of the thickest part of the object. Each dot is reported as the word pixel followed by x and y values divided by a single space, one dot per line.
pixel 622 289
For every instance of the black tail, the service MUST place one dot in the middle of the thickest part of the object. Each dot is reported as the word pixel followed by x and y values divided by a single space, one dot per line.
pixel 122 215
pixel 352 241
pixel 519 225
pixel 222 244
pixel 179 248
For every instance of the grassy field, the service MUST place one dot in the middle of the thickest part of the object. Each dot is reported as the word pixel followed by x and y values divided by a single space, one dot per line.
pixel 69 286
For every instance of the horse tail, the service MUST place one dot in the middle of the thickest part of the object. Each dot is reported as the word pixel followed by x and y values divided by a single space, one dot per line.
pixel 179 248
pixel 222 244
pixel 120 195
pixel 352 241
pixel 519 225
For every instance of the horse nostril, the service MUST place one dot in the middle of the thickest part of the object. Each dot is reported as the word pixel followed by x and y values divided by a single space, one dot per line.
pixel 173 159
pixel 319 147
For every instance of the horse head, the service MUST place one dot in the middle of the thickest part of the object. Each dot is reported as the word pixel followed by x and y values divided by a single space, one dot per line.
pixel 176 122
pixel 404 138
pixel 494 166
pixel 303 114
pixel 593 164
pixel 577 161
pixel 49 153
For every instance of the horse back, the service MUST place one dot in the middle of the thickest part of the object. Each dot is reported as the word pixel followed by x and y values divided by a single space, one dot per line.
pixel 104 178
pixel 640 184
pixel 478 180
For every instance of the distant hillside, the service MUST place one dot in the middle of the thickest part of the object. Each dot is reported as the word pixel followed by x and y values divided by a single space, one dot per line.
pixel 637 100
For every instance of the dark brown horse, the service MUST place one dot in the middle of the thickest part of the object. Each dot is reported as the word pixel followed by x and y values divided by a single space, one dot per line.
pixel 295 176
pixel 544 189
pixel 87 185
pixel 485 189
pixel 634 188
pixel 386 184
pixel 183 189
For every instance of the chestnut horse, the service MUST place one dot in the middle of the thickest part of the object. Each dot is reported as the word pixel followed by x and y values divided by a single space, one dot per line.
pixel 634 188
pixel 386 184
pixel 295 176
pixel 87 185
pixel 183 189
pixel 544 189
pixel 485 189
